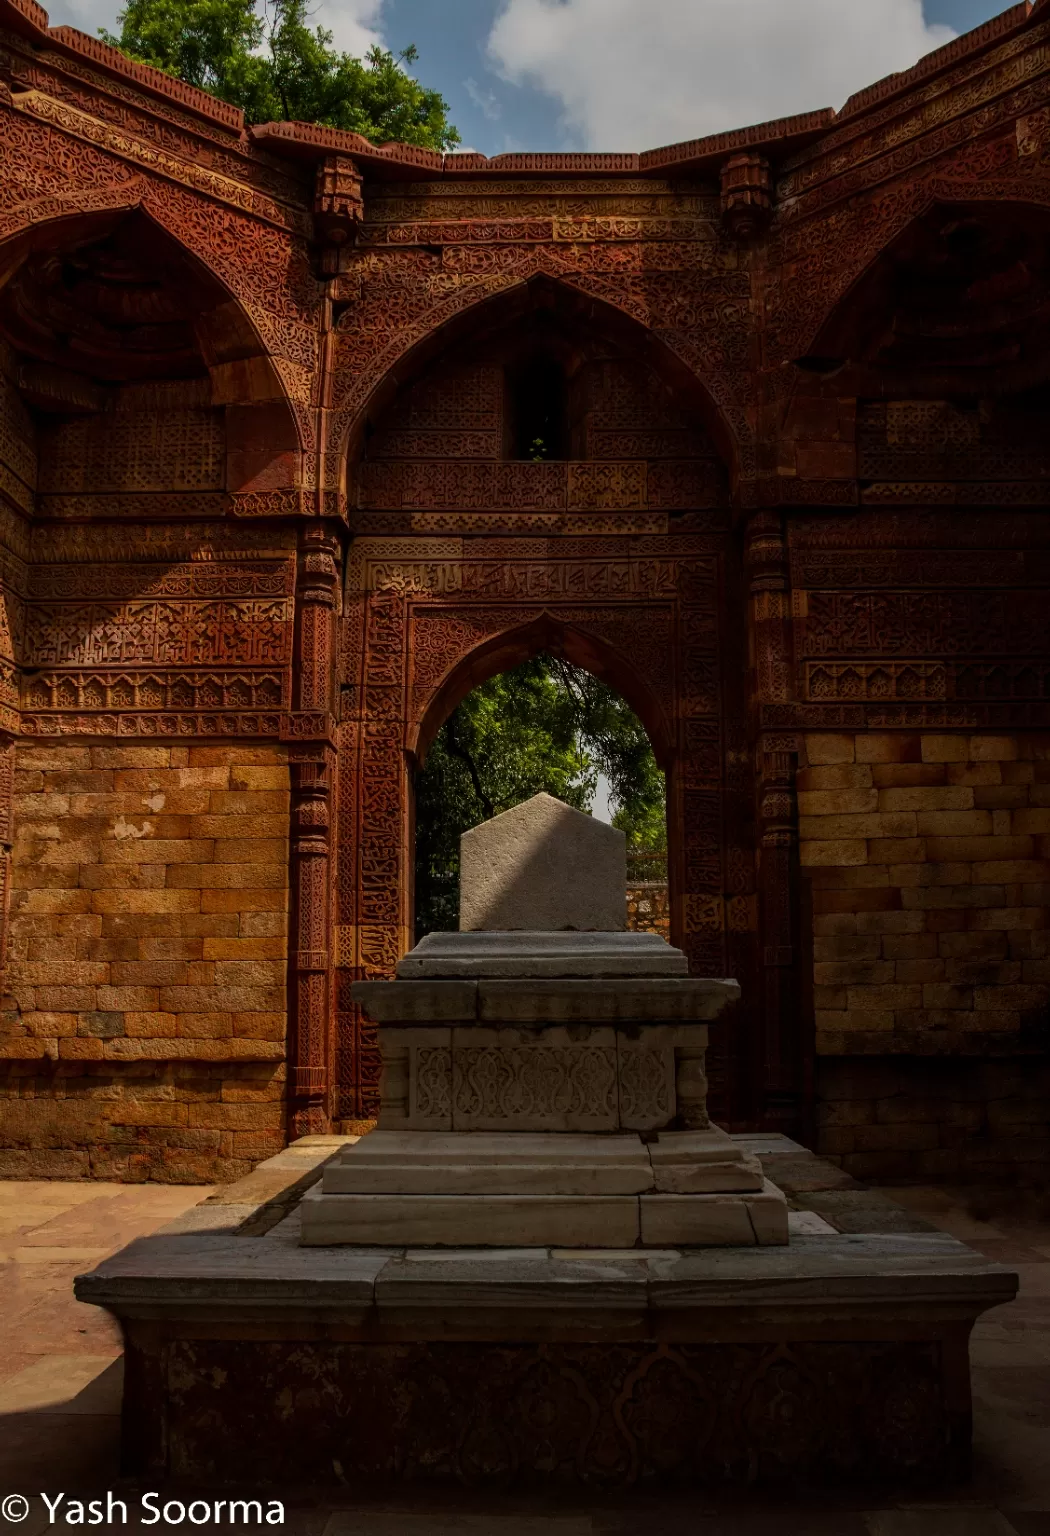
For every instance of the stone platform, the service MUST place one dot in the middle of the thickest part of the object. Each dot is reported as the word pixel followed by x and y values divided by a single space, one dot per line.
pixel 840 1358
pixel 694 1188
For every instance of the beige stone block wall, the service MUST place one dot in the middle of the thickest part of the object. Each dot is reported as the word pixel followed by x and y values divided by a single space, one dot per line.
pixel 143 1033
pixel 928 859
pixel 936 1117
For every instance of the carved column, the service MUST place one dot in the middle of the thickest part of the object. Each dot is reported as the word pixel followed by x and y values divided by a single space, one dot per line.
pixel 782 1084
pixel 7 770
pixel 312 768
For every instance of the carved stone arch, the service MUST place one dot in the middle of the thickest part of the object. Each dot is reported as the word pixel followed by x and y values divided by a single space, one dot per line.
pixel 430 618
pixel 24 217
pixel 268 432
pixel 572 640
pixel 823 270
pixel 419 340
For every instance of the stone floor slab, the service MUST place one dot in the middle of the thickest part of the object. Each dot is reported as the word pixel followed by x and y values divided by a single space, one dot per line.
pixel 928 1521
pixel 64 1384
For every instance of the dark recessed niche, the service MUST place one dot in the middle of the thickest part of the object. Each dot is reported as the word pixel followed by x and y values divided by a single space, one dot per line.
pixel 537 410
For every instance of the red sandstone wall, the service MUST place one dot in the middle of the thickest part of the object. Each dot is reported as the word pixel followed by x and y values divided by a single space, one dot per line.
pixel 928 858
pixel 145 1017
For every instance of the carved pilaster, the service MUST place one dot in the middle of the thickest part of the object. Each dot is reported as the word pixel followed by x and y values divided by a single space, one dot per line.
pixel 691 1087
pixel 768 580
pixel 7 770
pixel 768 583
pixel 313 769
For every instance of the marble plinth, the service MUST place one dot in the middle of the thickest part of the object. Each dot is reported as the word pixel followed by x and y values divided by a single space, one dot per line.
pixel 471 1040
pixel 251 1358
pixel 446 956
pixel 520 1072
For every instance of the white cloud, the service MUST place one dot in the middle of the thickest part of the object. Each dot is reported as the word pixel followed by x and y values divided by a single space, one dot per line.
pixel 354 23
pixel 486 101
pixel 635 74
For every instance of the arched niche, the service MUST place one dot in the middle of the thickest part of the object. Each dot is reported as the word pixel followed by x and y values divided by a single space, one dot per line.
pixel 504 653
pixel 957 304
pixel 106 320
pixel 940 349
pixel 549 323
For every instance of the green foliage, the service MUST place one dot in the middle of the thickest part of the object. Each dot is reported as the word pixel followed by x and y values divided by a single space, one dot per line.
pixel 277 67
pixel 543 726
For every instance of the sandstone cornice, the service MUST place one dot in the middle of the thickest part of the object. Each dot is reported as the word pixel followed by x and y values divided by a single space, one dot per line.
pixel 778 140
pixel 126 146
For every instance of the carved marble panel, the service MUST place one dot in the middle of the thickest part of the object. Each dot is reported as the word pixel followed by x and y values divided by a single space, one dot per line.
pixel 549 1080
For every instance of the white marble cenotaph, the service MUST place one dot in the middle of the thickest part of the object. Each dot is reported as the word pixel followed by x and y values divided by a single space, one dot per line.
pixel 543 1071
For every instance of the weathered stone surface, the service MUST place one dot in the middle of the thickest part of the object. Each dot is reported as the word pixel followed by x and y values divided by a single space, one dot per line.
pixel 150 971
pixel 462 1221
pixel 541 954
pixel 250 1322
pixel 542 866
pixel 702 1162
pixel 551 1077
pixel 462 1175
pixel 707 1221
pixel 389 1162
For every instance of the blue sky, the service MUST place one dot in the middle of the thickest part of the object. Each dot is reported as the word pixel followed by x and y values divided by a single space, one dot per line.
pixel 630 74
pixel 452 34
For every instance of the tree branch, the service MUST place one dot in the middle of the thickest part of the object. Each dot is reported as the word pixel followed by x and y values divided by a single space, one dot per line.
pixel 464 756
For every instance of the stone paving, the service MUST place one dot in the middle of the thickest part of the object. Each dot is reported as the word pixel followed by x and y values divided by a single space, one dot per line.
pixel 60 1392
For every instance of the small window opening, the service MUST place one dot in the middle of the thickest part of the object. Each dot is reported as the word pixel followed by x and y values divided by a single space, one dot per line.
pixel 537 410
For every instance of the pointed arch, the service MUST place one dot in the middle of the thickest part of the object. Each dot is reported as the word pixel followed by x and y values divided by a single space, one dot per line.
pixel 519 643
pixel 77 217
pixel 416 343
pixel 860 236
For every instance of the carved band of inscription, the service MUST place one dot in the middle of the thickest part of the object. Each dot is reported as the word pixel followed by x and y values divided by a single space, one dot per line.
pixel 162 725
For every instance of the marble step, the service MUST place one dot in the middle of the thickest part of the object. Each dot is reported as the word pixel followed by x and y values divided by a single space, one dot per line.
pixel 508 1163
pixel 526 1221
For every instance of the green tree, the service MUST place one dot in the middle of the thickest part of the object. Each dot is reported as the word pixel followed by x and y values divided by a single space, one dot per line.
pixel 545 726
pixel 275 66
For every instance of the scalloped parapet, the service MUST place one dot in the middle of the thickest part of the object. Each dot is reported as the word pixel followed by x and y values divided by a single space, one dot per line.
pixel 931 64
pixel 103 56
pixel 778 140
